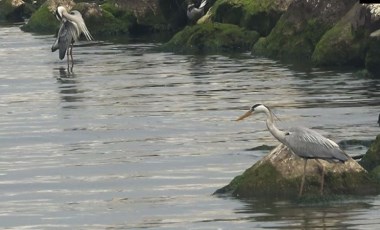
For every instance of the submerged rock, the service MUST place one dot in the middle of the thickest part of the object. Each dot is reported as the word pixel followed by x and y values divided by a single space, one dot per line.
pixel 279 175
pixel 211 38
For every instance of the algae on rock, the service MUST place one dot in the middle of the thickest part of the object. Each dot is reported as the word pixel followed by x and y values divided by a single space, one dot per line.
pixel 345 43
pixel 14 10
pixel 258 15
pixel 371 159
pixel 212 38
pixel 300 28
pixel 278 175
pixel 42 21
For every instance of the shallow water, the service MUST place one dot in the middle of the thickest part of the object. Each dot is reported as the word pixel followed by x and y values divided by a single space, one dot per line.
pixel 140 139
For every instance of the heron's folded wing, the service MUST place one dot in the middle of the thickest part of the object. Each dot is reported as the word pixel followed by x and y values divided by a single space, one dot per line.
pixel 65 35
pixel 310 144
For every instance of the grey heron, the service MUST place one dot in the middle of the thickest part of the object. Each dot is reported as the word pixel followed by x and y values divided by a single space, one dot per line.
pixel 302 141
pixel 72 26
pixel 194 13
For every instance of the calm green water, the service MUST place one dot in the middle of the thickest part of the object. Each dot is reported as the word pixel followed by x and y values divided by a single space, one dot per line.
pixel 137 139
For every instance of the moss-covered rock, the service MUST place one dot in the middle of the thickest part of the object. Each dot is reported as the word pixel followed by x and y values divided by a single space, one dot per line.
pixel 345 43
pixel 14 10
pixel 150 15
pixel 211 38
pixel 278 175
pixel 105 20
pixel 258 15
pixel 42 21
pixel 300 28
pixel 372 58
pixel 113 17
pixel 99 20
pixel 371 159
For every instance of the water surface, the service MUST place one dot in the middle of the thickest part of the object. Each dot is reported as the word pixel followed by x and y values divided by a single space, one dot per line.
pixel 140 139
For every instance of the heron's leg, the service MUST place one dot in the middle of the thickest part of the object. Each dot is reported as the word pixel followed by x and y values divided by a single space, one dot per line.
pixel 72 59
pixel 303 178
pixel 68 59
pixel 322 175
pixel 71 53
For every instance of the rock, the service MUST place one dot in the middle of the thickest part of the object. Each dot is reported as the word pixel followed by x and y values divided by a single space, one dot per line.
pixel 258 15
pixel 211 38
pixel 278 175
pixel 43 20
pixel 15 10
pixel 371 159
pixel 346 42
pixel 104 21
pixel 372 58
pixel 152 15
pixel 300 28
pixel 99 21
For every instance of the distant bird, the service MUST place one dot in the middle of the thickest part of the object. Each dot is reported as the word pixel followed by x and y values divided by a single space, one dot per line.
pixel 304 142
pixel 194 13
pixel 72 26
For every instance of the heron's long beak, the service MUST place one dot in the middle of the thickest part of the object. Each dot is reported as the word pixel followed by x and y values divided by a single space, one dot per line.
pixel 245 115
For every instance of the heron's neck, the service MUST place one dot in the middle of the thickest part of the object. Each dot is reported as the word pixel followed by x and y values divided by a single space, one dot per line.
pixel 278 134
pixel 72 19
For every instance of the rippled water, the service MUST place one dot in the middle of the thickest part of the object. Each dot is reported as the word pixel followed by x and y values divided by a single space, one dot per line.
pixel 140 139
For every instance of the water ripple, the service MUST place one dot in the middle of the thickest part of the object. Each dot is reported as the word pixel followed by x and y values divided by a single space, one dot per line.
pixel 139 139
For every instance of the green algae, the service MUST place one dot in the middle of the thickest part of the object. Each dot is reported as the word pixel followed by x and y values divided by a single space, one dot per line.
pixel 211 38
pixel 42 21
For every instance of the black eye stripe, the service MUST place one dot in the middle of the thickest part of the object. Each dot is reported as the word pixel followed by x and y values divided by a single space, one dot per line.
pixel 57 14
pixel 253 107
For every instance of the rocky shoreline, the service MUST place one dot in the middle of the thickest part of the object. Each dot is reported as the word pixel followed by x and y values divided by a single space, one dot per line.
pixel 325 33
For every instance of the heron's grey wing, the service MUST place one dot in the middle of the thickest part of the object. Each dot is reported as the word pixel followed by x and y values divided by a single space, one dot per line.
pixel 65 37
pixel 55 45
pixel 310 144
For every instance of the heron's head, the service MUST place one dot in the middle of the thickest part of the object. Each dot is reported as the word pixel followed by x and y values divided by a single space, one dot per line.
pixel 257 108
pixel 59 12
pixel 190 7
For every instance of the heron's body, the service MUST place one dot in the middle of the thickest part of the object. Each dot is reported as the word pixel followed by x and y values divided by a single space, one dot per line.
pixel 304 142
pixel 67 35
pixel 194 13
pixel 72 26
pixel 309 144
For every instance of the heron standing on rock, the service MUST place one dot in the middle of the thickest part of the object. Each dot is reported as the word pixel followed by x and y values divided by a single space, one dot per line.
pixel 72 26
pixel 304 142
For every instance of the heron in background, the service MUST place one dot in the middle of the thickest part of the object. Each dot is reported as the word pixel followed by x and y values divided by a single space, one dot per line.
pixel 194 13
pixel 304 142
pixel 72 26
